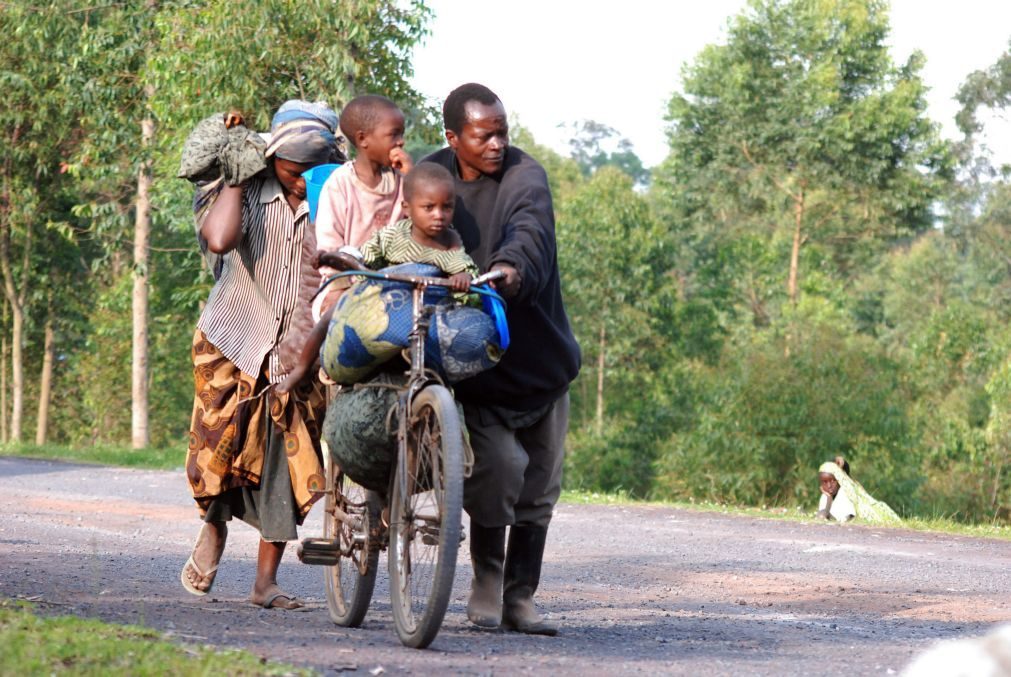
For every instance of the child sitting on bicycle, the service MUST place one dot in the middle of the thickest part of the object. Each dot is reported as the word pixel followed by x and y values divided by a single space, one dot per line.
pixel 362 196
pixel 426 236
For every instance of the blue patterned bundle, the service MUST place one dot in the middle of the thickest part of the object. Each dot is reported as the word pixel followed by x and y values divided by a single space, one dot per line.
pixel 372 324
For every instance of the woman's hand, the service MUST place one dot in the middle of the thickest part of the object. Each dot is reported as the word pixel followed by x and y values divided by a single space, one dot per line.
pixel 460 281
pixel 291 381
pixel 234 118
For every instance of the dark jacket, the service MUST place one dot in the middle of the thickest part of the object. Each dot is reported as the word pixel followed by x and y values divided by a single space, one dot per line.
pixel 508 218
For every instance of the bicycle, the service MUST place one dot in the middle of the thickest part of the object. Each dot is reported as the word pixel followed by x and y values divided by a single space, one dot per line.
pixel 423 519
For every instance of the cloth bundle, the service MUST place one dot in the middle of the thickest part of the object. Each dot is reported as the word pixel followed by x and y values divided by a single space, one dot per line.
pixel 214 155
pixel 300 131
pixel 372 323
pixel 355 430
pixel 212 151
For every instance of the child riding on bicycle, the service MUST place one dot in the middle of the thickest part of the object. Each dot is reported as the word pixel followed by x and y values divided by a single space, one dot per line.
pixel 426 236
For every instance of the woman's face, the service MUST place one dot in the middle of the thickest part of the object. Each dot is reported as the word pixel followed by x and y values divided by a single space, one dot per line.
pixel 829 484
pixel 289 175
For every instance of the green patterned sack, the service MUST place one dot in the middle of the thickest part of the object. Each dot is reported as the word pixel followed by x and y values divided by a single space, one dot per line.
pixel 355 429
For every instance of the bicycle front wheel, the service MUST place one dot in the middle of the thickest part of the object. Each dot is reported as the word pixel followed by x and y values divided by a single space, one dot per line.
pixel 425 514
pixel 350 582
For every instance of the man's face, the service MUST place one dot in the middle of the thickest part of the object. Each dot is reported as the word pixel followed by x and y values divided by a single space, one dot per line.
pixel 481 144
pixel 289 175
pixel 431 209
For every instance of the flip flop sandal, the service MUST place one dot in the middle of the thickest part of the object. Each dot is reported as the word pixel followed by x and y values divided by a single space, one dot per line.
pixel 211 573
pixel 268 603
pixel 190 588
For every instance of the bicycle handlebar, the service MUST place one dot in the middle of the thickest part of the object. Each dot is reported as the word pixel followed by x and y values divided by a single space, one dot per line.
pixel 344 261
pixel 353 267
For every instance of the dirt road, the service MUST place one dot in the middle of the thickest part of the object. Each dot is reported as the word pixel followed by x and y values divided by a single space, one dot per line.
pixel 636 589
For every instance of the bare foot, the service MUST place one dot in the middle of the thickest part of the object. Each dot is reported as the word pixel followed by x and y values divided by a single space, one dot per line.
pixel 272 597
pixel 202 567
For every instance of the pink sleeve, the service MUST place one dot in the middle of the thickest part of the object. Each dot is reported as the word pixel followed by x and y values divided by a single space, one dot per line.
pixel 330 218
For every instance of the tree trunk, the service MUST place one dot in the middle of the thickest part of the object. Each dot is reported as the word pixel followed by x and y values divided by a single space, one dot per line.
pixel 798 223
pixel 584 410
pixel 4 437
pixel 17 371
pixel 142 227
pixel 46 379
pixel 16 299
pixel 600 380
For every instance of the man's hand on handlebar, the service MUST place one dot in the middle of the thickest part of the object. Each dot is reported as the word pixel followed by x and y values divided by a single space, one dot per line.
pixel 509 285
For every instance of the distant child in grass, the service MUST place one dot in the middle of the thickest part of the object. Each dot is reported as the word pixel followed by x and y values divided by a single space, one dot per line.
pixel 426 236
pixel 365 195
pixel 843 498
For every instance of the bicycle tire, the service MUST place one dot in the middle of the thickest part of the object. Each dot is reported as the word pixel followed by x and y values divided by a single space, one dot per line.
pixel 349 583
pixel 425 520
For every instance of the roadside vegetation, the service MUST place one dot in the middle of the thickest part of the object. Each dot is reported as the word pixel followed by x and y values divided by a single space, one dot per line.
pixel 172 459
pixel 812 271
pixel 797 514
pixel 65 645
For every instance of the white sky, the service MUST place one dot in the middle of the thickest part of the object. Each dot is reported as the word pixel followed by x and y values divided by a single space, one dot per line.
pixel 561 61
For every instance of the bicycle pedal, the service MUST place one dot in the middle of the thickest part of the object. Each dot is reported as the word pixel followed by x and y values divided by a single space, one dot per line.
pixel 320 551
pixel 429 538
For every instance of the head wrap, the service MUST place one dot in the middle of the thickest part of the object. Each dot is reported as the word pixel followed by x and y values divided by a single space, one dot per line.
pixel 304 132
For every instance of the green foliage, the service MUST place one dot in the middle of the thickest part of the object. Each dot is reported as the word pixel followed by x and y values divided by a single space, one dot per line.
pixel 806 276
pixel 804 304
pixel 799 130
pixel 770 419
pixel 80 79
pixel 154 458
pixel 989 88
pixel 65 644
pixel 589 143
pixel 564 175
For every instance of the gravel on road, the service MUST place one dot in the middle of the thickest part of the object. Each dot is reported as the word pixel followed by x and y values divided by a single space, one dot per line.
pixel 635 589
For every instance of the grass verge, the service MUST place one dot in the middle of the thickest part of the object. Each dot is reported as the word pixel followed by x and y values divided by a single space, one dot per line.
pixel 165 458
pixel 36 645
pixel 932 524
pixel 172 458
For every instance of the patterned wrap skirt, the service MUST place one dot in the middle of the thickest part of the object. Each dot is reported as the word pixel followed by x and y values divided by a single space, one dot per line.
pixel 253 455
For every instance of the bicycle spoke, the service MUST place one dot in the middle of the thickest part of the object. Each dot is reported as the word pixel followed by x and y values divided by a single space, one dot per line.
pixel 428 528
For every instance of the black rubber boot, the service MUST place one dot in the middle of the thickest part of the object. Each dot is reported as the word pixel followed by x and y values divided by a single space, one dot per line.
pixel 487 553
pixel 522 575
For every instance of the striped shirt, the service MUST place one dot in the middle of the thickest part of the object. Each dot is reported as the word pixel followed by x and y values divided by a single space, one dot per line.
pixel 394 244
pixel 251 306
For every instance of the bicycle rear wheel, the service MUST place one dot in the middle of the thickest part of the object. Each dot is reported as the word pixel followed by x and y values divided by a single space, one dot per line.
pixel 425 517
pixel 350 582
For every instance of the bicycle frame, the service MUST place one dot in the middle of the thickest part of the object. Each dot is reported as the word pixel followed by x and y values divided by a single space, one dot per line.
pixel 422 525
pixel 417 376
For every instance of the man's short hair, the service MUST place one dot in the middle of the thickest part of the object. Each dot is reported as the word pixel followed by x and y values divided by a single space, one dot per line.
pixel 454 114
pixel 426 173
pixel 362 114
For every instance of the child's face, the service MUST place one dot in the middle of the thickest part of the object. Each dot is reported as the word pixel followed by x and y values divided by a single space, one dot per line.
pixel 431 207
pixel 388 134
pixel 829 484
